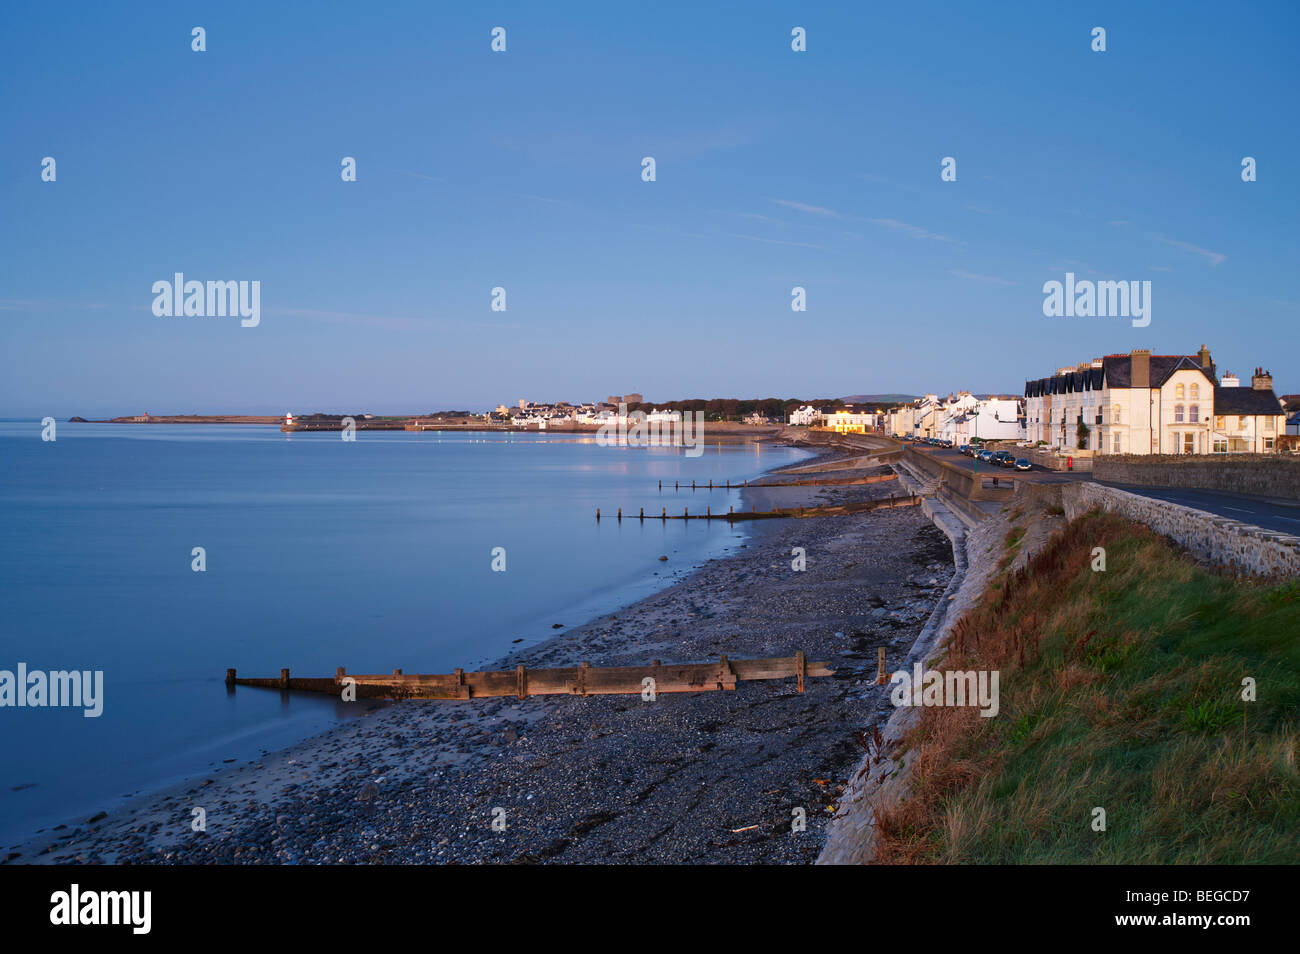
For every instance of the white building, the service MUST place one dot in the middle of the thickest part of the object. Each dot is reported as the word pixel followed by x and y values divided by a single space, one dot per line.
pixel 1140 403
pixel 805 416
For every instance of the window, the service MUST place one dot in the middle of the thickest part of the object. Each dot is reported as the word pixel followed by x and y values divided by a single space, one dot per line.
pixel 1114 444
pixel 1196 391
pixel 1218 423
pixel 1268 443
pixel 1195 410
pixel 1178 412
pixel 1116 414
pixel 1220 447
pixel 1269 424
pixel 1179 389
pixel 1189 443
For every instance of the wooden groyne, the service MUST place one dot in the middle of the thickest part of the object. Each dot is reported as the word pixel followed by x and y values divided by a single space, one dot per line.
pixel 585 680
pixel 829 510
pixel 828 482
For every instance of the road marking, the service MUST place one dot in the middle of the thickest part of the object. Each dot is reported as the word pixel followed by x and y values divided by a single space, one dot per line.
pixel 1238 509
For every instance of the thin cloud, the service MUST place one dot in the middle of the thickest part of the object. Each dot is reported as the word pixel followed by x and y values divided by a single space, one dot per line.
pixel 805 207
pixel 913 230
pixel 1214 258
pixel 33 304
pixel 990 279
pixel 376 321
pixel 755 238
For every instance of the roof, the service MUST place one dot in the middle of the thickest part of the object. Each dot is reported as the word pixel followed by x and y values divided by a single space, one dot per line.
pixel 1116 371
pixel 1119 369
pixel 1246 401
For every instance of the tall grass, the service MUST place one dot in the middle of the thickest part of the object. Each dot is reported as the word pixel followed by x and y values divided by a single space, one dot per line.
pixel 1120 690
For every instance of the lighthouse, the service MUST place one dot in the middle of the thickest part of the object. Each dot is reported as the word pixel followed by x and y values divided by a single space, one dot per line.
pixel 288 420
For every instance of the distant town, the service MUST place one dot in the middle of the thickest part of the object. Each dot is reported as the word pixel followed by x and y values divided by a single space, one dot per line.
pixel 1134 403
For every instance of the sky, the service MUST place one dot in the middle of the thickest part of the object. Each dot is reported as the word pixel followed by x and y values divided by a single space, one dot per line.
pixel 522 170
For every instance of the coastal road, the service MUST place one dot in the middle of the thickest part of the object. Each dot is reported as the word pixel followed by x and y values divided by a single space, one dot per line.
pixel 1269 513
pixel 1262 511
pixel 1039 475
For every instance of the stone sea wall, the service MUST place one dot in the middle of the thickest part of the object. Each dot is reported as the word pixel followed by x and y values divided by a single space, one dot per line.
pixel 1268 475
pixel 1242 547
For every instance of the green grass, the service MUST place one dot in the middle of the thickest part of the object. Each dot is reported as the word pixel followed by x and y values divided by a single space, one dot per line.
pixel 1122 690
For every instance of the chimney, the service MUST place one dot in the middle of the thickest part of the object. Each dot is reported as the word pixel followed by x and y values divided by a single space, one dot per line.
pixel 1230 381
pixel 1262 380
pixel 1140 376
pixel 1204 355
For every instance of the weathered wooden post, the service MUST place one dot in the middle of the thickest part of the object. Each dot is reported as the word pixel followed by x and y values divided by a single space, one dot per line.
pixel 664 514
pixel 521 680
pixel 284 679
pixel 339 674
pixel 397 672
pixel 230 677
pixel 642 513
pixel 881 679
pixel 800 666
pixel 598 515
pixel 620 514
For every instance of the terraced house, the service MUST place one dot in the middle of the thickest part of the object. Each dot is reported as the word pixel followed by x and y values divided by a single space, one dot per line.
pixel 1140 403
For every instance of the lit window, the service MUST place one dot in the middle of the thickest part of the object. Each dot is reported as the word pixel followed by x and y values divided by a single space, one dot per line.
pixel 1196 390
pixel 1178 390
pixel 1218 423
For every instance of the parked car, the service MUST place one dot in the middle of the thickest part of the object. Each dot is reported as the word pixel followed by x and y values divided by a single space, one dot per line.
pixel 964 449
pixel 986 456
pixel 1003 459
pixel 1022 463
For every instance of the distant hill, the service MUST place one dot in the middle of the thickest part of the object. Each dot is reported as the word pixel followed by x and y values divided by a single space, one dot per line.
pixel 879 398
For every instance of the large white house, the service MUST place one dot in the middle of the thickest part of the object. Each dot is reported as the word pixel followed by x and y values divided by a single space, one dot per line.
pixel 1140 403
pixel 990 419
pixel 805 416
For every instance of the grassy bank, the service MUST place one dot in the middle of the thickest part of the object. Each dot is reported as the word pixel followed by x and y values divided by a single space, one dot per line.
pixel 1121 690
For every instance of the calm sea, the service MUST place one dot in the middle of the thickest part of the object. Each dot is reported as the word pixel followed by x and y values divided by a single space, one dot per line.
pixel 372 555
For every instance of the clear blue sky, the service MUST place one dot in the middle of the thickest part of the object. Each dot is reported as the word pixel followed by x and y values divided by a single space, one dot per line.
pixel 522 170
